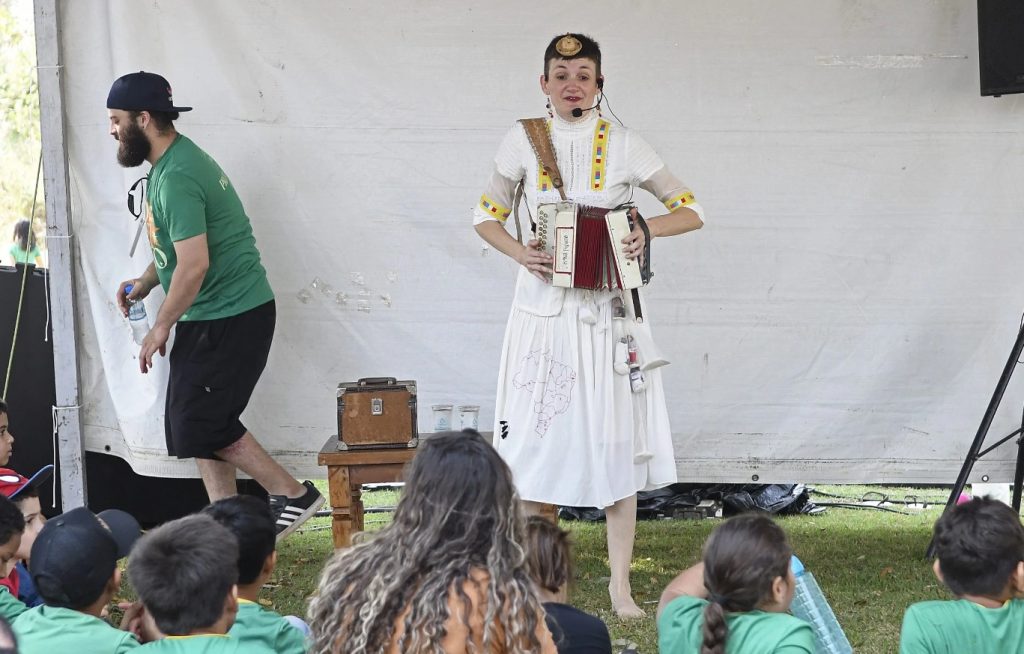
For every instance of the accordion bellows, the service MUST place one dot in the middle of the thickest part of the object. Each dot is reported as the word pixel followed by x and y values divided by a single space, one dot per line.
pixel 586 245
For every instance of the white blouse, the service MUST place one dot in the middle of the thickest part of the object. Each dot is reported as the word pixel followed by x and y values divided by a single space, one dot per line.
pixel 600 163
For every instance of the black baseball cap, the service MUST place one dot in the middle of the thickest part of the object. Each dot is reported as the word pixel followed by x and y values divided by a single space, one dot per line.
pixel 142 91
pixel 76 553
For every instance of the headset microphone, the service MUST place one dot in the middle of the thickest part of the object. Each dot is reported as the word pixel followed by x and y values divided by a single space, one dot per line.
pixel 578 113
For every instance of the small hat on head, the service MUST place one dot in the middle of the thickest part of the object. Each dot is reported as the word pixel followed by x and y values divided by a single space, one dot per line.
pixel 142 91
pixel 76 553
pixel 12 483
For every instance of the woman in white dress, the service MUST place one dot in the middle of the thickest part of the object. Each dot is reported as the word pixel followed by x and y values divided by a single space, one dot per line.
pixel 567 421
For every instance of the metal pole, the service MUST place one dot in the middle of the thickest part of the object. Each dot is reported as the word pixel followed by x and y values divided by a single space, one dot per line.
pixel 66 414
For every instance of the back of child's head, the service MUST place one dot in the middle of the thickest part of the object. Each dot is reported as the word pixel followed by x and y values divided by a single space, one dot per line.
pixel 548 554
pixel 252 523
pixel 742 558
pixel 74 556
pixel 183 572
pixel 23 235
pixel 979 544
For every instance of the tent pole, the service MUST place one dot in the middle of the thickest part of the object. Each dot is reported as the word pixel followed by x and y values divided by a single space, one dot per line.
pixel 66 415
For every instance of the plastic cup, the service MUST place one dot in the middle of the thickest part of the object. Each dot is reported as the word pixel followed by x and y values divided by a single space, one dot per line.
pixel 442 417
pixel 469 417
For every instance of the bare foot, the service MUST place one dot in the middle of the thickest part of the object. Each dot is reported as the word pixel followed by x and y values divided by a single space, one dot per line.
pixel 623 604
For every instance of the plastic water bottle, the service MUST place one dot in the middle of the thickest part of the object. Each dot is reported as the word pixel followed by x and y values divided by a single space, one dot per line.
pixel 137 317
pixel 810 605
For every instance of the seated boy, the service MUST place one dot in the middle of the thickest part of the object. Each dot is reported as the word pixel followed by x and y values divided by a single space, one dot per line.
pixel 74 567
pixel 24 492
pixel 6 437
pixel 252 523
pixel 979 549
pixel 185 572
pixel 12 525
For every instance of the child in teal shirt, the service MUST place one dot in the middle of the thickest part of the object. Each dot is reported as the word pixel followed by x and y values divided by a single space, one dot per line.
pixel 979 549
pixel 737 597
pixel 74 567
pixel 252 523
pixel 12 526
pixel 185 572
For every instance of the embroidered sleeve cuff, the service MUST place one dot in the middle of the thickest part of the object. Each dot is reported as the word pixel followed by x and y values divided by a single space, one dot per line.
pixel 681 200
pixel 494 210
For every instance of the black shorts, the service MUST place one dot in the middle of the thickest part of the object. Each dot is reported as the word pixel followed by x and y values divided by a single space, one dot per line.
pixel 215 365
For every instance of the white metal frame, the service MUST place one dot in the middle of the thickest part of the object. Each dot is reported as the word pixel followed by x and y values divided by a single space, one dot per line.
pixel 61 247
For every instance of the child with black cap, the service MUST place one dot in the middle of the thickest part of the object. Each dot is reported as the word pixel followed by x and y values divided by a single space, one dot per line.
pixel 185 572
pixel 12 526
pixel 252 523
pixel 74 567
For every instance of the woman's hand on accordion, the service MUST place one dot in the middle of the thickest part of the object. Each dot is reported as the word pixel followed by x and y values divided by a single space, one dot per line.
pixel 634 243
pixel 537 261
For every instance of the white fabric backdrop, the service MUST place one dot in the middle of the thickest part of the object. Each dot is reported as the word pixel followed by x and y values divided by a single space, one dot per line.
pixel 844 316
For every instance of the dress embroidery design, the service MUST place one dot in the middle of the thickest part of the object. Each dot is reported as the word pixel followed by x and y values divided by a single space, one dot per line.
pixel 556 381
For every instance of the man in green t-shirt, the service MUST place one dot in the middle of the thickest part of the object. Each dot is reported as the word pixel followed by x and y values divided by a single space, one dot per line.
pixel 979 549
pixel 217 293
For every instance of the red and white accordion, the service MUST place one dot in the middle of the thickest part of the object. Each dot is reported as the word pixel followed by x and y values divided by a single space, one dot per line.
pixel 586 246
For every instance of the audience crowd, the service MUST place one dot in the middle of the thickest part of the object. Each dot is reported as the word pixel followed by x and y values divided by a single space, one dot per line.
pixel 460 569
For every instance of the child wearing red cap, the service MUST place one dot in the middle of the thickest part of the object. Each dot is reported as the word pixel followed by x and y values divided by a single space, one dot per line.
pixel 24 492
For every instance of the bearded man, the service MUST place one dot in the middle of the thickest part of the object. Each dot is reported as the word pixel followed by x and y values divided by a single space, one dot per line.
pixel 217 293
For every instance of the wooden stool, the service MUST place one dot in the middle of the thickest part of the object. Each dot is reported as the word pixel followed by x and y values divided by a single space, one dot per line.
pixel 347 471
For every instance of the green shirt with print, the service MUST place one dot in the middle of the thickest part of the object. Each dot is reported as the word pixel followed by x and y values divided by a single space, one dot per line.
pixel 203 644
pixel 257 625
pixel 48 629
pixel 753 632
pixel 190 195
pixel 959 626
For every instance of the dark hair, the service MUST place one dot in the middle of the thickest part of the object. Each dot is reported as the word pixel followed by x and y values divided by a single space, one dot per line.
pixel 183 571
pixel 3 406
pixel 252 523
pixel 164 120
pixel 548 554
pixel 458 516
pixel 12 522
pixel 24 236
pixel 8 642
pixel 590 50
pixel 978 545
pixel 26 493
pixel 742 558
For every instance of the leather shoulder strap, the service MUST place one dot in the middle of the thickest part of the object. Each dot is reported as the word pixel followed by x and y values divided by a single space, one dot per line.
pixel 540 140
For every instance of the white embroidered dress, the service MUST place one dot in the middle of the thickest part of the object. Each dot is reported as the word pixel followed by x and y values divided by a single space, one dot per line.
pixel 568 424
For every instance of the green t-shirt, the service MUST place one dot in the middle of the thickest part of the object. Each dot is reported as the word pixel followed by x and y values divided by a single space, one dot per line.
pixel 255 625
pixel 50 629
pixel 23 256
pixel 755 632
pixel 205 644
pixel 10 606
pixel 190 195
pixel 961 626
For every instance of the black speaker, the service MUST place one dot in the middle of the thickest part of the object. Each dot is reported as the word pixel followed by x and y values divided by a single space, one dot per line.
pixel 1001 46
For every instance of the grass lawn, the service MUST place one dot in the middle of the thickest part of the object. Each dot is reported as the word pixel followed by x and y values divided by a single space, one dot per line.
pixel 870 564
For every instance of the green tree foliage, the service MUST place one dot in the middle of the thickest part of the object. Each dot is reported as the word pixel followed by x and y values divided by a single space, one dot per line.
pixel 19 122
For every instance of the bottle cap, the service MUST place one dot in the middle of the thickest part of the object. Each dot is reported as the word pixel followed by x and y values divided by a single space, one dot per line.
pixel 128 288
pixel 797 566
